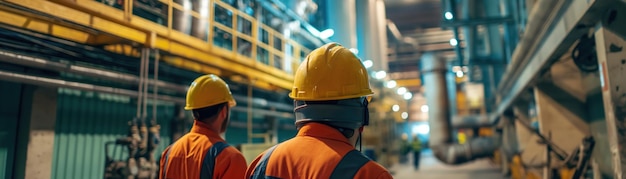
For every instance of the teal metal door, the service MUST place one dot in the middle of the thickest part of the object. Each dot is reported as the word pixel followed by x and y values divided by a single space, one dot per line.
pixel 9 117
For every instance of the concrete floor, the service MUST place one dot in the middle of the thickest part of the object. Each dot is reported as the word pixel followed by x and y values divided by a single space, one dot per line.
pixel 431 168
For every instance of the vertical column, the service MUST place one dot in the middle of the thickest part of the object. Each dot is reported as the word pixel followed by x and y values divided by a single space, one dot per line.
pixel 381 43
pixel 40 146
pixel 365 21
pixel 341 16
pixel 609 47
pixel 371 29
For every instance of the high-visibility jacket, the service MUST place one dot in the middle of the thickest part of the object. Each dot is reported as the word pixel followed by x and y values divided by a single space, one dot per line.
pixel 201 153
pixel 318 151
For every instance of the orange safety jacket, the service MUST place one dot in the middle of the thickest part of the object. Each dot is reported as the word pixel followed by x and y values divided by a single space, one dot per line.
pixel 201 153
pixel 318 151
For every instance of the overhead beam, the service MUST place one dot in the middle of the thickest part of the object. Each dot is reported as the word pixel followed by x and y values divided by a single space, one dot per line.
pixel 99 17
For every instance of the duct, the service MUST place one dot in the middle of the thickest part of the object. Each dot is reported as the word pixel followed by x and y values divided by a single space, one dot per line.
pixel 434 69
pixel 272 4
pixel 470 121
pixel 539 20
pixel 34 62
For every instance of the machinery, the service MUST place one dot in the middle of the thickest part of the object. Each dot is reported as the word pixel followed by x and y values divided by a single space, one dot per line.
pixel 139 146
pixel 552 79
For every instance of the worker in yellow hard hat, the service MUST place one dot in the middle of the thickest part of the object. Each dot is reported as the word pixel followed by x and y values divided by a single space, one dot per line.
pixel 203 153
pixel 330 92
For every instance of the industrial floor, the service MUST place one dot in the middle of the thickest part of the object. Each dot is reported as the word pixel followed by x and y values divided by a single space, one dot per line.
pixel 431 168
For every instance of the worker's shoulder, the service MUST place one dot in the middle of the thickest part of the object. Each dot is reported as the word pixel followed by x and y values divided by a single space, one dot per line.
pixel 231 152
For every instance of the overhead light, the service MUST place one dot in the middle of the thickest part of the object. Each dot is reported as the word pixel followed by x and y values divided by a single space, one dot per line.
pixel 391 84
pixel 448 15
pixel 380 74
pixel 395 108
pixel 354 50
pixel 368 63
pixel 459 74
pixel 401 90
pixel 327 33
pixel 405 115
pixel 408 96
pixel 453 42
pixel 424 108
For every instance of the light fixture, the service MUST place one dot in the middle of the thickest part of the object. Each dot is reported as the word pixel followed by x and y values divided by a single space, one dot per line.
pixel 453 42
pixel 424 108
pixel 354 50
pixel 380 74
pixel 368 63
pixel 327 33
pixel 391 84
pixel 448 15
pixel 407 96
pixel 405 115
pixel 459 74
pixel 401 90
pixel 395 108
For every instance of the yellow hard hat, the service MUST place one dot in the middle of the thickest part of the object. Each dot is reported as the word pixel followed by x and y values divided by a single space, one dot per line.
pixel 208 90
pixel 330 72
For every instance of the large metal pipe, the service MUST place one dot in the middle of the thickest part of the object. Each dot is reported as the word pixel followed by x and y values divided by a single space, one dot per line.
pixel 539 19
pixel 35 62
pixel 343 22
pixel 444 149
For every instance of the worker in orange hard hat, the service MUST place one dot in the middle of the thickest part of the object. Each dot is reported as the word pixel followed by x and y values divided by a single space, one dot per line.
pixel 203 153
pixel 330 92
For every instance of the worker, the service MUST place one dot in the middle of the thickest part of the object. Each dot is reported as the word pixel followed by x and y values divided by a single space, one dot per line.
pixel 203 153
pixel 416 146
pixel 330 92
pixel 405 148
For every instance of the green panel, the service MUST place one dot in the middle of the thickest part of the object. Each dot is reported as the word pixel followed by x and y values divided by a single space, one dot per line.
pixel 9 115
pixel 86 121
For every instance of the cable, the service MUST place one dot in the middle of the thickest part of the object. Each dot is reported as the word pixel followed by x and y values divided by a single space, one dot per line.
pixel 156 89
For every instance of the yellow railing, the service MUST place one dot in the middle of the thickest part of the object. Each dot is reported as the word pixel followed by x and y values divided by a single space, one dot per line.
pixel 230 40
pixel 270 52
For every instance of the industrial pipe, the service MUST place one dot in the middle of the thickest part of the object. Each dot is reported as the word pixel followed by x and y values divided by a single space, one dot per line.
pixel 57 83
pixel 444 149
pixel 34 62
pixel 471 121
pixel 539 19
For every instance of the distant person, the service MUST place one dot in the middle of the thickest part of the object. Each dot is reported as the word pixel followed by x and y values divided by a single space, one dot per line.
pixel 330 99
pixel 203 153
pixel 416 146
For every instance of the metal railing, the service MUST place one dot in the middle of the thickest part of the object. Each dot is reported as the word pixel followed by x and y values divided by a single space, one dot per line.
pixel 221 25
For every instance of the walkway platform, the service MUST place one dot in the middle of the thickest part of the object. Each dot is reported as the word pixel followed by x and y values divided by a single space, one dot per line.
pixel 431 168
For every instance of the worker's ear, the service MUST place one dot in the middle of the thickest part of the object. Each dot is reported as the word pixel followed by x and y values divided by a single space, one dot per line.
pixel 361 129
pixel 224 111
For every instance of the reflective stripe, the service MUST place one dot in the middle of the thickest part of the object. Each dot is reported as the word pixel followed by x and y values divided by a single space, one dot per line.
pixel 208 164
pixel 259 170
pixel 349 165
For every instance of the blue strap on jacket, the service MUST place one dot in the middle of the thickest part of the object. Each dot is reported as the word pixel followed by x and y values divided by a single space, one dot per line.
pixel 349 165
pixel 208 164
